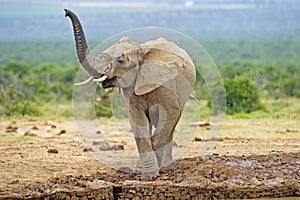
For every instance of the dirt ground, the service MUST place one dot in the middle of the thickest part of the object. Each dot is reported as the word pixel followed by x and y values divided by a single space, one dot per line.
pixel 47 159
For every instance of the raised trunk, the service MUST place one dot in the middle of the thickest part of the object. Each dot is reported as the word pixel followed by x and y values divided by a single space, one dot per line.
pixel 86 59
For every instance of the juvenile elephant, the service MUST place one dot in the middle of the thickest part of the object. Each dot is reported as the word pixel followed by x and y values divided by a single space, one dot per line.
pixel 156 79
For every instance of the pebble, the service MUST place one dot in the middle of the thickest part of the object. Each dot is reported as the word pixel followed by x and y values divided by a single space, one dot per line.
pixel 14 182
pixel 104 146
pixel 29 133
pixel 118 147
pixel 125 170
pixel 86 149
pixel 54 151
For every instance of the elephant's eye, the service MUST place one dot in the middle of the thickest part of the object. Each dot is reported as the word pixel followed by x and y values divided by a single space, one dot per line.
pixel 120 60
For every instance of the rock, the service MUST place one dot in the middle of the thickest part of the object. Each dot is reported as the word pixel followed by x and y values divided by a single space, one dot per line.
pixel 96 142
pixel 86 149
pixel 125 170
pixel 118 147
pixel 29 133
pixel 52 125
pixel 35 127
pixel 201 124
pixel 216 155
pixel 61 132
pixel 291 130
pixel 98 132
pixel 104 146
pixel 54 151
pixel 14 182
pixel 11 129
pixel 197 139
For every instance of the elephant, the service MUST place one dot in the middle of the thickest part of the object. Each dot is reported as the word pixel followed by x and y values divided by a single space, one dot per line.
pixel 156 79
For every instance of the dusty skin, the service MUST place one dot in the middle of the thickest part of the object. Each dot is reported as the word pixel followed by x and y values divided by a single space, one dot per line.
pixel 47 159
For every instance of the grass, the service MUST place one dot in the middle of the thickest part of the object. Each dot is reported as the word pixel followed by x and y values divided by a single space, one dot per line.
pixel 57 111
pixel 6 137
pixel 280 119
pixel 288 109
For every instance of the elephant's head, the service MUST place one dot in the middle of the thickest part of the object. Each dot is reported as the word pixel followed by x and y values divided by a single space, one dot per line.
pixel 130 64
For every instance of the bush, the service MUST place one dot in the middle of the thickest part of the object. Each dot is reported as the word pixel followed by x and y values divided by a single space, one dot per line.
pixel 102 111
pixel 27 108
pixel 241 96
pixel 13 103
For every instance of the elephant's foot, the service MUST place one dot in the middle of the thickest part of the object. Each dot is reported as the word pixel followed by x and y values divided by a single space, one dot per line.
pixel 150 175
pixel 170 167
pixel 167 157
pixel 149 165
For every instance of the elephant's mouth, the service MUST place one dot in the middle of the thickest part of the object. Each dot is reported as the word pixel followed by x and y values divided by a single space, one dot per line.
pixel 108 83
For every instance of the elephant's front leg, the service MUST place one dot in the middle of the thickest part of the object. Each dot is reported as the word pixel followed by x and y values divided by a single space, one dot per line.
pixel 140 126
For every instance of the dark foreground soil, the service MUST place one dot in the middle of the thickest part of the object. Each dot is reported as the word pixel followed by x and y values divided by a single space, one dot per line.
pixel 275 175
pixel 55 165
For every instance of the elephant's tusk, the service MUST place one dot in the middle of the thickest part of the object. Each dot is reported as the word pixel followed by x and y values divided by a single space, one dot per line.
pixel 90 79
pixel 103 78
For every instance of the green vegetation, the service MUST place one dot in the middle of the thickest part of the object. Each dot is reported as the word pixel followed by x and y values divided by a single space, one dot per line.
pixel 271 80
pixel 46 89
pixel 35 82
pixel 27 89
pixel 17 138
pixel 241 96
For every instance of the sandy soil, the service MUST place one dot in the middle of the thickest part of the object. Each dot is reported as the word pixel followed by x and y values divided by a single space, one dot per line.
pixel 40 158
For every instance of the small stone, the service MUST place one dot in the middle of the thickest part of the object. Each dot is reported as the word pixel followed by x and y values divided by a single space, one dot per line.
pixel 29 133
pixel 53 126
pixel 61 132
pixel 197 139
pixel 54 151
pixel 35 128
pixel 118 147
pixel 86 149
pixel 14 182
pixel 125 170
pixel 96 142
pixel 11 129
pixel 104 146
pixel 98 132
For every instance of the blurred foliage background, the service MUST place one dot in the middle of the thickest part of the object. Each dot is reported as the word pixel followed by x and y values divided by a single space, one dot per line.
pixel 37 89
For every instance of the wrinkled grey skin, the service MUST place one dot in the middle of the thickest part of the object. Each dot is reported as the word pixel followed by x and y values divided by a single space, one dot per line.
pixel 156 79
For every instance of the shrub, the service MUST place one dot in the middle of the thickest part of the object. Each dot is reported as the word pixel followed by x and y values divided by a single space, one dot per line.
pixel 27 108
pixel 241 96
pixel 102 111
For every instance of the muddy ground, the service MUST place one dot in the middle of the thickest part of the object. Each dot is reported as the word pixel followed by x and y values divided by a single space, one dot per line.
pixel 47 159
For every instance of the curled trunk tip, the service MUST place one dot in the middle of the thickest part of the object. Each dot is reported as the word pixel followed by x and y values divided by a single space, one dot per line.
pixel 66 12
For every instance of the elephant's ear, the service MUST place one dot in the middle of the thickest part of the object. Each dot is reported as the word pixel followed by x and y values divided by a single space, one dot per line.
pixel 152 76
